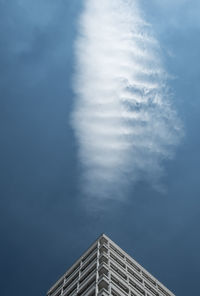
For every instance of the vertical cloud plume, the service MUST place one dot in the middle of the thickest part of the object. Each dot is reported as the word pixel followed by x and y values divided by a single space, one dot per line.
pixel 123 119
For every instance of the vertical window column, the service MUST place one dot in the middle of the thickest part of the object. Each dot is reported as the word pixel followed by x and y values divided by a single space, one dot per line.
pixel 79 275
pixel 109 275
pixel 97 274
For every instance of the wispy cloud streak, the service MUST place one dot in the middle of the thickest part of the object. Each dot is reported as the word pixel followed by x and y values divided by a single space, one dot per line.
pixel 123 118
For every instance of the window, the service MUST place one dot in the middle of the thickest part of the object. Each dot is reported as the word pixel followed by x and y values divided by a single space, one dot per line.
pixel 135 275
pixel 103 241
pixel 103 249
pixel 88 254
pixel 151 289
pixel 119 284
pixel 149 278
pixel 114 293
pixel 89 262
pixel 133 294
pixel 89 284
pixel 116 251
pixel 133 265
pixel 103 259
pixel 137 287
pixel 103 285
pixel 163 291
pixel 117 260
pixel 118 271
pixel 103 271
pixel 58 293
pixel 87 273
pixel 75 277
pixel 71 290
pixel 71 271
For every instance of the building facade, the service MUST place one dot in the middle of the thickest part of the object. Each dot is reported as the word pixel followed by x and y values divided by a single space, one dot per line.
pixel 105 269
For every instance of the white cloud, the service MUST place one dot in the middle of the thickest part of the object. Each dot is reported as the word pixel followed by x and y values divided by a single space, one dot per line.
pixel 123 118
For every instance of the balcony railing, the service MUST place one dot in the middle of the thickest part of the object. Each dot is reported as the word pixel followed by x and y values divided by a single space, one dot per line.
pixel 103 292
pixel 68 278
pixel 88 259
pixel 88 267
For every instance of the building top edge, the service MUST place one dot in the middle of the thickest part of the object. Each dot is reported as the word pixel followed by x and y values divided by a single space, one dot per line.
pixel 76 262
pixel 121 250
pixel 140 266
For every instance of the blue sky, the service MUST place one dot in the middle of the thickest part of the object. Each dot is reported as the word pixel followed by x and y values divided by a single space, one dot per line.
pixel 44 223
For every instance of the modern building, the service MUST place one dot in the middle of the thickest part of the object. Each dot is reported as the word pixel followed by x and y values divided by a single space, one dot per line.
pixel 105 269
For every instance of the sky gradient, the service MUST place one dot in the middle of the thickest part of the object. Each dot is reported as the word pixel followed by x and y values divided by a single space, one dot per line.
pixel 44 223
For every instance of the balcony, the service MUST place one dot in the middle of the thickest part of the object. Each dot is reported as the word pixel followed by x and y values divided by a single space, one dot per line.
pixel 103 249
pixel 70 291
pixel 115 287
pixel 90 259
pixel 87 280
pixel 70 276
pixel 86 287
pixel 103 292
pixel 103 240
pixel 103 259
pixel 53 291
pixel 117 261
pixel 89 255
pixel 103 285
pixel 120 284
pixel 90 266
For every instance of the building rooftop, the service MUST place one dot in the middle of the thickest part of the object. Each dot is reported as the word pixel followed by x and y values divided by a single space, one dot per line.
pixel 105 269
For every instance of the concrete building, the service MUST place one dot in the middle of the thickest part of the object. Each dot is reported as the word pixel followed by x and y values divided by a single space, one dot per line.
pixel 105 269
